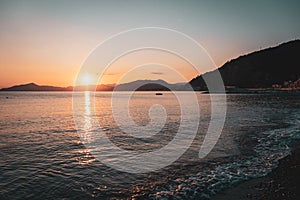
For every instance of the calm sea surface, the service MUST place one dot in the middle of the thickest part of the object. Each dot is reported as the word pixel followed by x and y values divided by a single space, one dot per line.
pixel 42 156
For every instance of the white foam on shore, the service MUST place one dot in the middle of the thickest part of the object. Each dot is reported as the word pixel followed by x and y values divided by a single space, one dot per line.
pixel 272 146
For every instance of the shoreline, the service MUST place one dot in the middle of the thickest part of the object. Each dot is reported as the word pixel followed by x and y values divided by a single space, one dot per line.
pixel 280 183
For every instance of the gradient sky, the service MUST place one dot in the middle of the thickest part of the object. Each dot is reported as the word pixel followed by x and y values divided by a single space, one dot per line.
pixel 46 41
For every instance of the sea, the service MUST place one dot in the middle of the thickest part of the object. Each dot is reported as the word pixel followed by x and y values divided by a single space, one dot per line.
pixel 43 154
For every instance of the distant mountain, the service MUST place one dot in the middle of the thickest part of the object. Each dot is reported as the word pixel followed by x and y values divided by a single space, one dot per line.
pixel 150 85
pixel 35 87
pixel 139 85
pixel 260 69
pixel 143 85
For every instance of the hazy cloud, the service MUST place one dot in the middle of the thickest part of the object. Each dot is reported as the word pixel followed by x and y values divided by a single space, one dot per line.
pixel 157 73
pixel 110 74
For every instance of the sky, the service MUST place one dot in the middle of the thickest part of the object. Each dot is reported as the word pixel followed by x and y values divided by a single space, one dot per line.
pixel 46 42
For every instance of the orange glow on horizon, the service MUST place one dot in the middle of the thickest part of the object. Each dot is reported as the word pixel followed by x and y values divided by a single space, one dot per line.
pixel 57 62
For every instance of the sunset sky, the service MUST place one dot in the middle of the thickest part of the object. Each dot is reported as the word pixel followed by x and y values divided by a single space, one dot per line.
pixel 47 41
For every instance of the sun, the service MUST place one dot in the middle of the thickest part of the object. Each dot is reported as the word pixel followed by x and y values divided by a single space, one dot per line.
pixel 87 79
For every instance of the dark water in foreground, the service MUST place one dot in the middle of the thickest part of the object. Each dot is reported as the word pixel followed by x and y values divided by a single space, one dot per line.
pixel 42 156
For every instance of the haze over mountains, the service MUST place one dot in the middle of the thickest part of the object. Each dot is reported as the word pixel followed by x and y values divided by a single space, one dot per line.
pixel 274 67
pixel 139 85
pixel 35 87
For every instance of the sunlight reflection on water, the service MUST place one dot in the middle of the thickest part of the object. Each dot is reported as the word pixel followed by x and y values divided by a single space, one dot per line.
pixel 87 117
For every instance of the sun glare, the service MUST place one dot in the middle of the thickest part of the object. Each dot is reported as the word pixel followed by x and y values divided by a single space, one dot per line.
pixel 87 80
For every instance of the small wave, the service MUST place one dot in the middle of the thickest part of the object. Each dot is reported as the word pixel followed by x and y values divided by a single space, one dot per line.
pixel 271 147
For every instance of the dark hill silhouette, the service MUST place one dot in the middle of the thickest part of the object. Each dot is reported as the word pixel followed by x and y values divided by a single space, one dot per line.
pixel 151 85
pixel 35 87
pixel 260 69
pixel 143 85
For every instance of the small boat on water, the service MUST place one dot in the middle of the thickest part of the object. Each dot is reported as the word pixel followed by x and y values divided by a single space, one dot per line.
pixel 158 93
